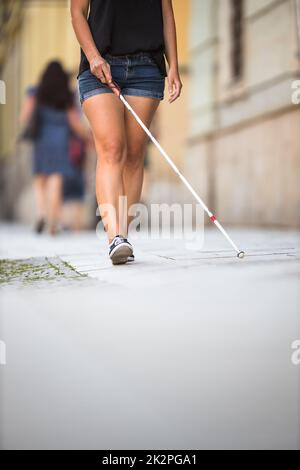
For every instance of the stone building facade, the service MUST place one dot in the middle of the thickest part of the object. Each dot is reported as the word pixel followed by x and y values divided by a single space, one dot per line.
pixel 243 150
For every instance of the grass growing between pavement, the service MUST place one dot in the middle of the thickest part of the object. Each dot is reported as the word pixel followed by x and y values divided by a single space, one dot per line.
pixel 33 270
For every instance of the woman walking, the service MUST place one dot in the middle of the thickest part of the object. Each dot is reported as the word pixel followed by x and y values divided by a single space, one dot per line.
pixel 56 116
pixel 123 42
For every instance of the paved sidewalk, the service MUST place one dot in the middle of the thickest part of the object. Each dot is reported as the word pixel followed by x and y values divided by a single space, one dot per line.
pixel 170 259
pixel 182 349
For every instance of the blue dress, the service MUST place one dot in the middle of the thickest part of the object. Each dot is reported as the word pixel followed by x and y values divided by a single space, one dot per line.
pixel 51 149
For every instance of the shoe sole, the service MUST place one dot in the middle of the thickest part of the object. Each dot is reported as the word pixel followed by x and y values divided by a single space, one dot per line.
pixel 121 255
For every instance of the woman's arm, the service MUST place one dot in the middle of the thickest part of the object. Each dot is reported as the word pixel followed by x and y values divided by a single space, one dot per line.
pixel 27 109
pixel 99 67
pixel 174 81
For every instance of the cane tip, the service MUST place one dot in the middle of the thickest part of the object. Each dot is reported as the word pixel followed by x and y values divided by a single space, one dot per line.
pixel 241 255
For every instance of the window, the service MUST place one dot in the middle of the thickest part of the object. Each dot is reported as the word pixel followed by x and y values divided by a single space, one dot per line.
pixel 237 39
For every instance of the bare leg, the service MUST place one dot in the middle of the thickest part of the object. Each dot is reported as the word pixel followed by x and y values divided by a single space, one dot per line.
pixel 146 184
pixel 39 184
pixel 106 116
pixel 54 190
pixel 76 211
pixel 136 146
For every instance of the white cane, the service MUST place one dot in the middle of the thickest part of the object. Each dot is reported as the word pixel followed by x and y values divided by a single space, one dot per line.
pixel 116 89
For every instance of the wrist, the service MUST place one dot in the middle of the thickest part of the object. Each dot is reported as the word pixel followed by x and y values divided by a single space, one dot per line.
pixel 174 67
pixel 95 55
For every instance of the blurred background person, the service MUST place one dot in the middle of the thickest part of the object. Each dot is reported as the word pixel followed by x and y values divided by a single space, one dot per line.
pixel 74 185
pixel 50 114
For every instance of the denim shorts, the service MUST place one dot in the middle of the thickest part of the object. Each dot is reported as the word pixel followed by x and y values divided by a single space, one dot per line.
pixel 136 75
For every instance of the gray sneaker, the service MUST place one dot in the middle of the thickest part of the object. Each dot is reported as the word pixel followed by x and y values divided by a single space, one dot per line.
pixel 120 250
pixel 130 258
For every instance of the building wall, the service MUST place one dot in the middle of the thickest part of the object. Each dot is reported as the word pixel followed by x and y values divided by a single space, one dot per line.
pixel 244 137
pixel 257 171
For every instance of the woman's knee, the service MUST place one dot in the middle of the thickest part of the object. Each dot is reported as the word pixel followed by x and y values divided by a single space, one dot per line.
pixel 135 158
pixel 112 152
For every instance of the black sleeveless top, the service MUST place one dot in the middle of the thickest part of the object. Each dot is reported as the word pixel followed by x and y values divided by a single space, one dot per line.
pixel 124 27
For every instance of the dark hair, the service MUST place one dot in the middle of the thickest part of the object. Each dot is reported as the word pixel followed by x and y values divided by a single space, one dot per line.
pixel 54 88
